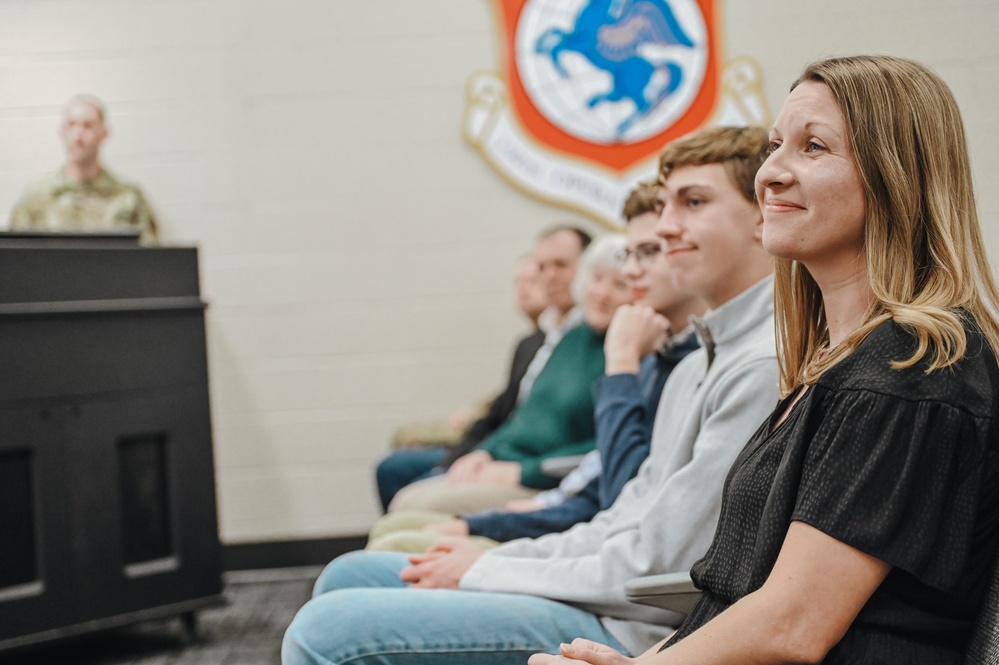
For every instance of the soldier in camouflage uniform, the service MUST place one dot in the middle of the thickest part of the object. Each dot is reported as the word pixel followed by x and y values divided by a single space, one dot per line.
pixel 83 196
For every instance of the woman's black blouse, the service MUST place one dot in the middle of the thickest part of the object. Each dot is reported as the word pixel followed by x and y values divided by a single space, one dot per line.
pixel 899 464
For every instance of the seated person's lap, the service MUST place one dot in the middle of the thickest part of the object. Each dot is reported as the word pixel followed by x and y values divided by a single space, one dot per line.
pixel 406 520
pixel 412 540
pixel 437 626
pixel 402 532
pixel 402 467
pixel 436 494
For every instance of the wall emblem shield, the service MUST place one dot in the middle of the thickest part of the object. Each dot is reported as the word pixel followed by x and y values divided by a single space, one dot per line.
pixel 591 90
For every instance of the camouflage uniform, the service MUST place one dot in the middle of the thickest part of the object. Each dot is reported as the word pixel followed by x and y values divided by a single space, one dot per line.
pixel 58 203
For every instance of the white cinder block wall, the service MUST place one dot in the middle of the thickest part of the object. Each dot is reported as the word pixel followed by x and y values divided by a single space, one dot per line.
pixel 356 253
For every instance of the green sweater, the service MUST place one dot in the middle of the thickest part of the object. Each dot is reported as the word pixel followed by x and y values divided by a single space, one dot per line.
pixel 556 419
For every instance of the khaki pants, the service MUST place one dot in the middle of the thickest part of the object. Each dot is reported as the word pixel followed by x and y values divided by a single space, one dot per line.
pixel 402 532
pixel 437 495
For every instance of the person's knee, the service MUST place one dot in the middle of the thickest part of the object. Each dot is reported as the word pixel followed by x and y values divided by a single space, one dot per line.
pixel 404 467
pixel 407 498
pixel 410 541
pixel 296 648
pixel 384 472
pixel 399 626
pixel 395 468
pixel 361 627
pixel 432 495
pixel 326 630
pixel 406 520
pixel 390 476
pixel 361 569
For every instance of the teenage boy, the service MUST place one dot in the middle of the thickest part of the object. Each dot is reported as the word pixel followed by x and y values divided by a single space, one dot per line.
pixel 500 606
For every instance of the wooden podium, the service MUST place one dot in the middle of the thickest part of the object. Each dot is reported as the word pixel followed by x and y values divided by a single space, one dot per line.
pixel 107 488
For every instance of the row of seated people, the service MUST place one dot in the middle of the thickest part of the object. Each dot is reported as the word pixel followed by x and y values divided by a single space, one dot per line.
pixel 572 407
pixel 425 448
pixel 546 408
pixel 842 265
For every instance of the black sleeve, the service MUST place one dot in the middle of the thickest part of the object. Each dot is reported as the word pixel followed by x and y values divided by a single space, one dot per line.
pixel 504 404
pixel 897 479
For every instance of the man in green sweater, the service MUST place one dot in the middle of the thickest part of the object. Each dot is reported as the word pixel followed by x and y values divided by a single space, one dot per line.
pixel 555 420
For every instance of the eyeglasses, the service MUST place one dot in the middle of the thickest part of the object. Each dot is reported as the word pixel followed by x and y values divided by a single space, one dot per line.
pixel 644 254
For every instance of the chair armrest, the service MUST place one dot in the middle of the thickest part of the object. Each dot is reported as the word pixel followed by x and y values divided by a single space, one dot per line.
pixel 669 591
pixel 560 467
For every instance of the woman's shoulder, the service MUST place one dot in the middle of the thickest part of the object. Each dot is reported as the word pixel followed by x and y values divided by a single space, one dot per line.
pixel 966 384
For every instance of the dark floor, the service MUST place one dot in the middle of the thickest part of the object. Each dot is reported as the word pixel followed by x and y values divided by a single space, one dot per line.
pixel 246 631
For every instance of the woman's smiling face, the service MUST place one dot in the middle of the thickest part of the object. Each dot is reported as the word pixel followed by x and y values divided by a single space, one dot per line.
pixel 810 187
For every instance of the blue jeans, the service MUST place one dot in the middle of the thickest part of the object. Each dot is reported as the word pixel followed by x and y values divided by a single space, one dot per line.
pixel 405 466
pixel 362 613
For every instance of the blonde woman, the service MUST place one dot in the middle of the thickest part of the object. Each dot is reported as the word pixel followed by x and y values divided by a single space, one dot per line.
pixel 860 521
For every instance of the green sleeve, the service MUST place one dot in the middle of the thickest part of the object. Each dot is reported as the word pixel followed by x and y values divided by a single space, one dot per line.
pixel 498 444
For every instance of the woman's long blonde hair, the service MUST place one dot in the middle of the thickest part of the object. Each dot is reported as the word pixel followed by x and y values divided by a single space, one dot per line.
pixel 926 259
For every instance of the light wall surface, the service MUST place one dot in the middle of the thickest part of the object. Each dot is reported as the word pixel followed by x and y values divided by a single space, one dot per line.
pixel 356 253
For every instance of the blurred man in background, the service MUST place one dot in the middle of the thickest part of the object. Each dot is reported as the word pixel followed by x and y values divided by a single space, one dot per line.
pixel 82 195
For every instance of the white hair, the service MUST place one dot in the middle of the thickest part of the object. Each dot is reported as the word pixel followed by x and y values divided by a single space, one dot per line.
pixel 604 252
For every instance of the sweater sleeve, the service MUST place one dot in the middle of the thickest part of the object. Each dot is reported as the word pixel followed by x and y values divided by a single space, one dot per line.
pixel 503 526
pixel 908 496
pixel 660 523
pixel 623 431
pixel 623 442
pixel 557 417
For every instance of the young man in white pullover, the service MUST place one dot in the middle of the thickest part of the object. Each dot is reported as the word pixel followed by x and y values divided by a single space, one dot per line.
pixel 497 607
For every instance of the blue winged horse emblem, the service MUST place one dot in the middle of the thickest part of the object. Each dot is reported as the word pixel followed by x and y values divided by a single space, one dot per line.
pixel 609 34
